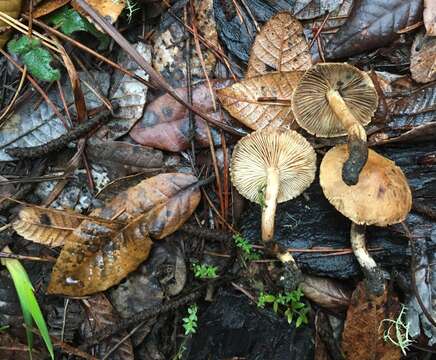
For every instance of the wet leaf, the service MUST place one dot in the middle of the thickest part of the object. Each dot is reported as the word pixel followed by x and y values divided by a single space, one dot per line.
pixel 372 24
pixel 11 8
pixel 47 227
pixel 100 315
pixel 326 292
pixel 310 9
pixel 129 94
pixel 430 17
pixel 423 58
pixel 165 124
pixel 362 338
pixel 97 256
pixel 263 100
pixel 47 7
pixel 34 122
pixel 280 46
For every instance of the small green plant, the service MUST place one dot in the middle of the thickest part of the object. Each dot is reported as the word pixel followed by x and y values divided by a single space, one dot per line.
pixel 247 251
pixel 204 271
pixel 3 327
pixel 288 303
pixel 130 9
pixel 400 330
pixel 69 21
pixel 190 322
pixel 28 302
pixel 36 58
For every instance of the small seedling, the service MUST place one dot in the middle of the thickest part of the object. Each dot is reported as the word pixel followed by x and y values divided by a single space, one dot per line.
pixel 291 301
pixel 400 329
pixel 204 271
pixel 190 322
pixel 248 253
pixel 130 9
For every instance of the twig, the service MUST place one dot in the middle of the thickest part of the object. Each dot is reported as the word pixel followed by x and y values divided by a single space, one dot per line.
pixel 62 141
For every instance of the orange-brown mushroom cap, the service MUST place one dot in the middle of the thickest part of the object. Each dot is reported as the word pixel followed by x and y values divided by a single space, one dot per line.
pixel 286 150
pixel 311 107
pixel 381 197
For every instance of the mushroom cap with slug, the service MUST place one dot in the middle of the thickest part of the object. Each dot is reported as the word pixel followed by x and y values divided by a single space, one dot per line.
pixel 311 107
pixel 277 160
pixel 381 197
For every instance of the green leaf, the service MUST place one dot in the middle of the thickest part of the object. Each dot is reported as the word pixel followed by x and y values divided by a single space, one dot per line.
pixel 269 298
pixel 299 321
pixel 28 302
pixel 69 21
pixel 36 58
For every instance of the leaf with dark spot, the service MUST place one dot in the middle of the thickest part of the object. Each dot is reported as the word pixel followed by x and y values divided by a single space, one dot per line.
pixel 373 24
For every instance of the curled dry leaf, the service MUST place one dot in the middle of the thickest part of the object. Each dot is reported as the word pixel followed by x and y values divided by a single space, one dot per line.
pixel 97 256
pixel 11 8
pixel 165 124
pixel 372 24
pixel 430 17
pixel 423 58
pixel 362 338
pixel 263 100
pixel 100 315
pixel 280 46
pixel 47 7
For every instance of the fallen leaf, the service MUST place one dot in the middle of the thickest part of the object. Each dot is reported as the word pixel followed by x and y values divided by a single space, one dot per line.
pixel 108 9
pixel 311 9
pixel 362 338
pixel 32 126
pixel 165 124
pixel 97 256
pixel 423 58
pixel 280 46
pixel 13 9
pixel 47 227
pixel 47 7
pixel 430 17
pixel 129 94
pixel 372 24
pixel 263 100
pixel 328 293
pixel 100 315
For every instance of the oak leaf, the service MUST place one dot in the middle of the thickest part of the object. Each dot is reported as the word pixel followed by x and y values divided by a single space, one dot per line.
pixel 280 46
pixel 262 100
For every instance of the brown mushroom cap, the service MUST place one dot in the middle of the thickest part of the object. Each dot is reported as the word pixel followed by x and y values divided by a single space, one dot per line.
pixel 310 104
pixel 283 149
pixel 381 197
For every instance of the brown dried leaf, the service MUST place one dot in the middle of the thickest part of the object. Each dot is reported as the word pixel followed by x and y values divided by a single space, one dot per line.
pixel 430 17
pixel 362 338
pixel 109 9
pixel 44 226
pixel 326 292
pixel 11 8
pixel 101 314
pixel 165 124
pixel 263 100
pixel 97 256
pixel 423 58
pixel 280 46
pixel 47 7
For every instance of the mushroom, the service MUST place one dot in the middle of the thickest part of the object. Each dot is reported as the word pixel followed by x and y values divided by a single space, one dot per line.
pixel 334 99
pixel 270 166
pixel 382 197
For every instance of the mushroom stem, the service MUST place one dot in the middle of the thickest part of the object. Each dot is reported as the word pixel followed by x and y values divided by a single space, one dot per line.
pixel 293 275
pixel 357 146
pixel 373 274
pixel 270 203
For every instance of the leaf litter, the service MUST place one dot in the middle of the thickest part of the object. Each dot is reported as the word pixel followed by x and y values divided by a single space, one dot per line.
pixel 120 225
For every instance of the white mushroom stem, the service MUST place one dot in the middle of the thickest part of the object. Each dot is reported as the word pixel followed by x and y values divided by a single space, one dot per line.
pixel 358 148
pixel 270 203
pixel 373 274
